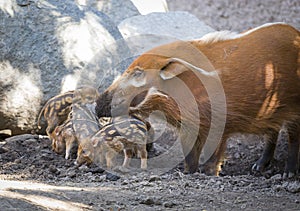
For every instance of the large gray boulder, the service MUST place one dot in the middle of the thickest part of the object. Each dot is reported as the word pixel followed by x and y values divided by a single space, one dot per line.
pixel 148 6
pixel 116 10
pixel 48 47
pixel 144 32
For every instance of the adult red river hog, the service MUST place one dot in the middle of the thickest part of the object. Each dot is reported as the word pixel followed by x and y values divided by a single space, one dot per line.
pixel 222 83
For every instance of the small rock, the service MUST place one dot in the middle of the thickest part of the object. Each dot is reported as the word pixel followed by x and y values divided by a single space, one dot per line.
pixel 112 177
pixel 3 150
pixel 97 170
pixel 89 174
pixel 154 178
pixel 31 168
pixel 18 160
pixel 98 178
pixel 145 183
pixel 212 180
pixel 169 204
pixel 293 187
pixel 125 182
pixel 186 184
pixel 276 177
pixel 83 168
pixel 52 169
pixel 237 155
pixel 71 174
pixel 150 201
pixel 30 141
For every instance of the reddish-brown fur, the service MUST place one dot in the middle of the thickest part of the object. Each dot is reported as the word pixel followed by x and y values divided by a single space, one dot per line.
pixel 260 74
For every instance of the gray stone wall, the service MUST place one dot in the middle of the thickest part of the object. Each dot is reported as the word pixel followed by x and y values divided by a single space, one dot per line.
pixel 240 15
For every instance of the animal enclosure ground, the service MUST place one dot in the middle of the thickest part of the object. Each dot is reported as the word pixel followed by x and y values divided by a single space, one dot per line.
pixel 33 177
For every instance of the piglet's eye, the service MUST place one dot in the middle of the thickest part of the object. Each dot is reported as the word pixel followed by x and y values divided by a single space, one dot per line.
pixel 84 152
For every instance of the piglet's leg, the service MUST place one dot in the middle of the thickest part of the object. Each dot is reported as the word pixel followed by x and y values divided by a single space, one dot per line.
pixel 68 149
pixel 110 155
pixel 143 154
pixel 128 155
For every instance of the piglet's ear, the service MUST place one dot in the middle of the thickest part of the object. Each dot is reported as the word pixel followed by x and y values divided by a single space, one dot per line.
pixel 57 130
pixel 95 142
pixel 171 70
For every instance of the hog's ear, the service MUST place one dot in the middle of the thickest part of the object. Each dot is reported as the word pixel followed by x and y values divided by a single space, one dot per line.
pixel 181 66
pixel 171 70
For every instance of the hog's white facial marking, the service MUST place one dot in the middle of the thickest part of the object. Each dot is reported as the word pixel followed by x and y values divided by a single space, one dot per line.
pixel 136 79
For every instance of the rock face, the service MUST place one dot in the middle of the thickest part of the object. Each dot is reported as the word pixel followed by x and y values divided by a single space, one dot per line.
pixel 116 10
pixel 147 31
pixel 49 47
pixel 179 25
pixel 240 15
pixel 148 6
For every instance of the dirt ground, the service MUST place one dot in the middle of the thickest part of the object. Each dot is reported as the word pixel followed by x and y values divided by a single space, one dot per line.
pixel 33 177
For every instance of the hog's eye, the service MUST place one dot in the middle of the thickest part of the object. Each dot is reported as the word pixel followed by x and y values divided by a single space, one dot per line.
pixel 137 78
pixel 138 73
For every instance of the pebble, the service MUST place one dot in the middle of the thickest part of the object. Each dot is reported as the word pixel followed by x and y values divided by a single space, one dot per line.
pixel 3 150
pixel 52 169
pixel 147 201
pixel 125 182
pixel 112 177
pixel 71 174
pixel 154 178
pixel 30 141
pixel 31 168
pixel 293 187
pixel 98 178
pixel 237 155
pixel 83 168
pixel 18 160
pixel 276 177
pixel 169 204
pixel 145 183
pixel 97 170
pixel 150 201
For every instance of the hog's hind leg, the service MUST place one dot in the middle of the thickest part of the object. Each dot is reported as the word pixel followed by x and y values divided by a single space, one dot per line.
pixel 268 152
pixel 292 162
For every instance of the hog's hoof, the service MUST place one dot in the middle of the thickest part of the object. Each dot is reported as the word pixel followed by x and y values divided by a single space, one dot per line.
pixel 257 169
pixel 112 177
